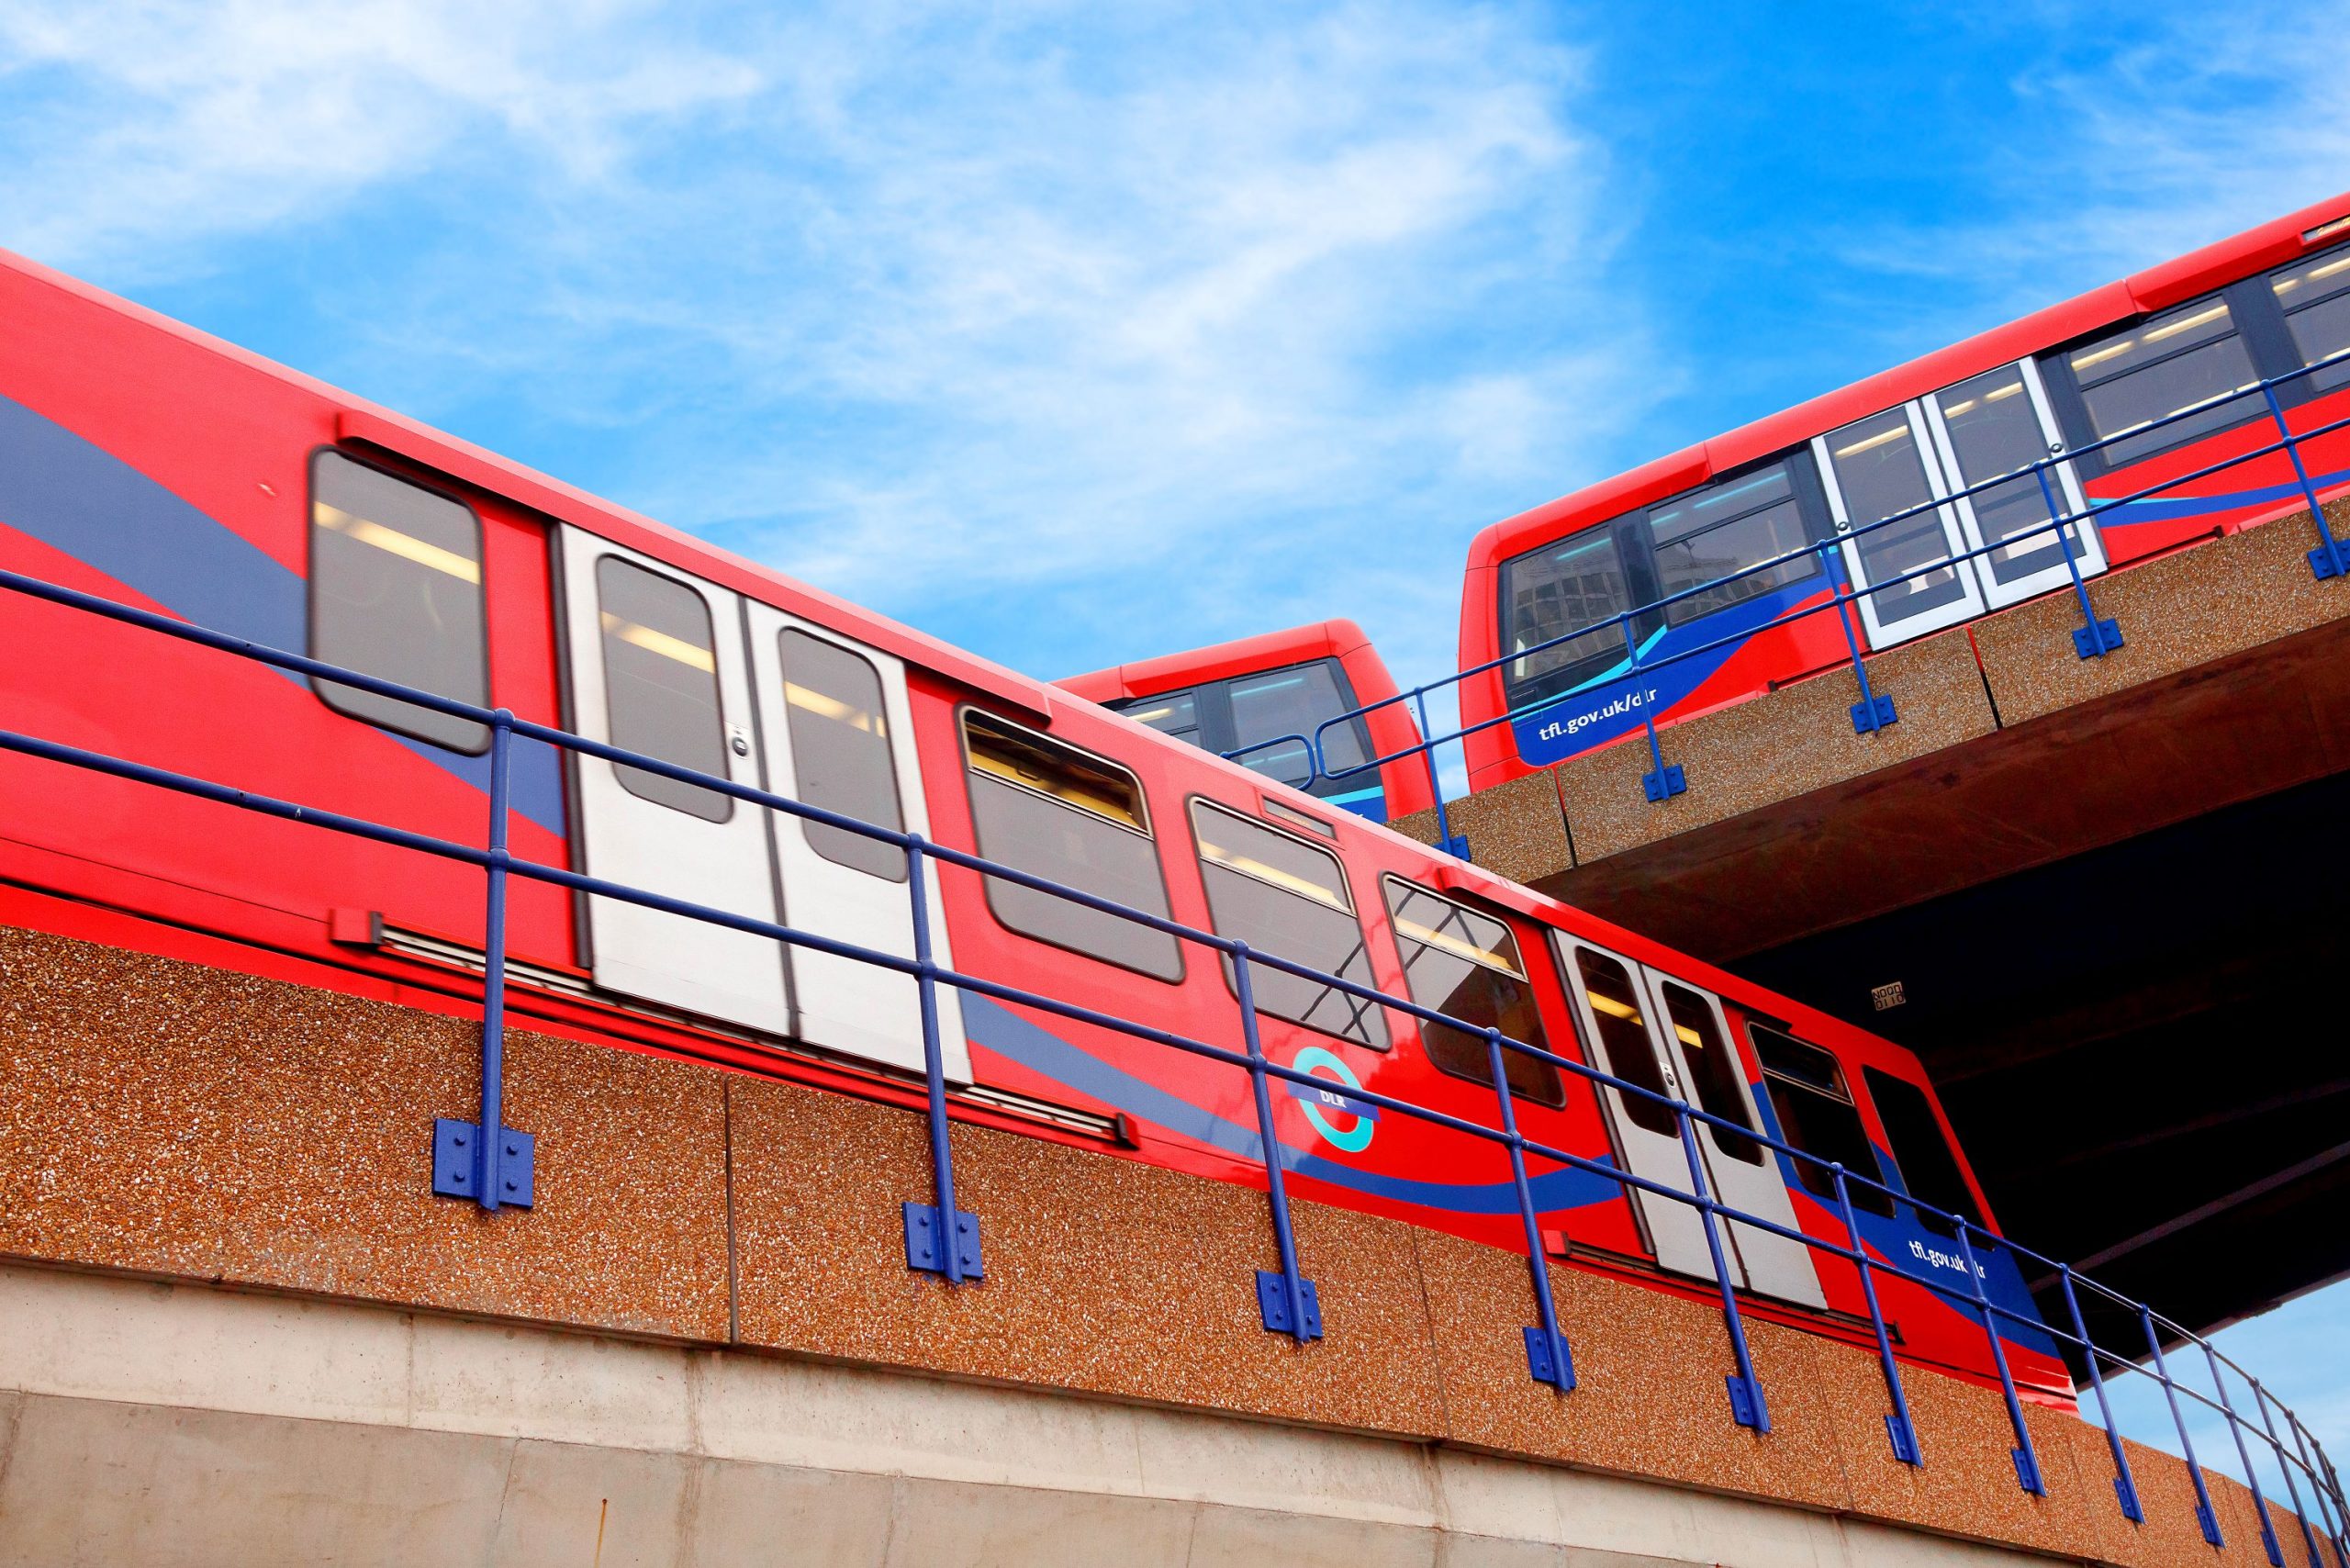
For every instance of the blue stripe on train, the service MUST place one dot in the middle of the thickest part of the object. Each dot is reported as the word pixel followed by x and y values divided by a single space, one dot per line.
pixel 1613 704
pixel 997 1027
pixel 2165 510
pixel 75 496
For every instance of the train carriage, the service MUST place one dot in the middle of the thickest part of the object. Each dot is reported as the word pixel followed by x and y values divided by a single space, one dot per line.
pixel 2150 411
pixel 145 464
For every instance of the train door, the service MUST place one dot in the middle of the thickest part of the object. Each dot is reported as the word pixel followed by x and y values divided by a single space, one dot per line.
pixel 1624 1009
pixel 1883 466
pixel 1998 423
pixel 657 666
pixel 836 730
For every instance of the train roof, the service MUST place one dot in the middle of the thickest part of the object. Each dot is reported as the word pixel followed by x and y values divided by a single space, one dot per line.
pixel 2266 245
pixel 1219 661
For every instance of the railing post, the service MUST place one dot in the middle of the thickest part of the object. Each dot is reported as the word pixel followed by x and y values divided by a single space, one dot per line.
pixel 2243 1456
pixel 1898 1426
pixel 1286 1302
pixel 2096 638
pixel 1456 847
pixel 2125 1486
pixel 1547 1355
pixel 1747 1406
pixel 2027 1475
pixel 1662 783
pixel 2205 1515
pixel 940 1237
pixel 1874 711
pixel 487 1160
pixel 2285 1469
pixel 2324 1484
pixel 2329 559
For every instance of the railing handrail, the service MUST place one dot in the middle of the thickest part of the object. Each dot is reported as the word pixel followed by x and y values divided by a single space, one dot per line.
pixel 1747 1394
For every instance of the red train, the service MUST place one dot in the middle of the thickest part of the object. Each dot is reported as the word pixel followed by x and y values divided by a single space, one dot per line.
pixel 2204 330
pixel 142 462
pixel 1261 699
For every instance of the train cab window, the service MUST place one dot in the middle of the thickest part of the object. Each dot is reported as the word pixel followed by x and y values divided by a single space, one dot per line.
pixel 2158 366
pixel 1176 713
pixel 1619 1013
pixel 2314 295
pixel 1713 1070
pixel 1929 1170
pixel 1272 703
pixel 1564 587
pixel 1730 524
pixel 396 592
pixel 1055 811
pixel 840 750
pixel 1817 1116
pixel 1466 966
pixel 1289 899
pixel 661 685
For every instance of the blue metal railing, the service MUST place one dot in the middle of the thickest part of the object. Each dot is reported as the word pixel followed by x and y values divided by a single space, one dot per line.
pixel 2094 638
pixel 942 1239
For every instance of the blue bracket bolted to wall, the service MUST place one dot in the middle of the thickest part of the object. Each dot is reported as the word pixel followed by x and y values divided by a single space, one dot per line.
pixel 1876 713
pixel 1272 1304
pixel 923 1248
pixel 1559 1373
pixel 2096 639
pixel 1664 782
pixel 457 1163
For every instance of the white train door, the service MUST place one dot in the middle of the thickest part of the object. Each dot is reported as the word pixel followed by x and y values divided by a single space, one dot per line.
pixel 836 730
pixel 1635 1020
pixel 657 666
pixel 2000 424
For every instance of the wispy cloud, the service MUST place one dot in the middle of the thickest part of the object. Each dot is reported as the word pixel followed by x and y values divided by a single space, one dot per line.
pixel 1080 334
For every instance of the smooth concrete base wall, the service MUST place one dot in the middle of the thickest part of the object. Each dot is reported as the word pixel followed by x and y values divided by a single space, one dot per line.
pixel 145 1424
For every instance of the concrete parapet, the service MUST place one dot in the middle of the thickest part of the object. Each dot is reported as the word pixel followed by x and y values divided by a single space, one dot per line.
pixel 784 1386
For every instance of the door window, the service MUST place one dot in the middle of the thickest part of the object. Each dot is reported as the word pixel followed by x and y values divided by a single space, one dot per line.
pixel 1074 818
pixel 1713 1071
pixel 396 592
pixel 1993 427
pixel 661 685
pixel 1623 1026
pixel 1466 966
pixel 840 750
pixel 1288 899
pixel 1881 471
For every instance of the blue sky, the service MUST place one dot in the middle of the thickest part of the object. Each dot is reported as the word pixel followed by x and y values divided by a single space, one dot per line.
pixel 1078 333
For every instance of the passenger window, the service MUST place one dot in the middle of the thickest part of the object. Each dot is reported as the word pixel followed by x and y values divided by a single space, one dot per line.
pixel 1929 1172
pixel 1733 523
pixel 1713 1070
pixel 396 592
pixel 661 685
pixel 1817 1116
pixel 1058 813
pixel 1289 899
pixel 1623 1027
pixel 1466 966
pixel 1176 713
pixel 1293 701
pixel 840 750
pixel 2157 367
pixel 1564 587
pixel 2315 298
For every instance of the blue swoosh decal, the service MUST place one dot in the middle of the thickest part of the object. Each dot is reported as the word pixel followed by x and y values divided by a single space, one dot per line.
pixel 2151 510
pixel 996 1027
pixel 77 497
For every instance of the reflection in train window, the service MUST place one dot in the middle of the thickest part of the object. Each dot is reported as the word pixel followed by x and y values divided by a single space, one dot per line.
pixel 661 685
pixel 1817 1116
pixel 1929 1172
pixel 1713 1071
pixel 396 592
pixel 1068 816
pixel 1465 965
pixel 840 750
pixel 1289 899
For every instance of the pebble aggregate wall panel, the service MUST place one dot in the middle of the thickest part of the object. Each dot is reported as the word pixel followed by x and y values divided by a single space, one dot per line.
pixel 169 1117
pixel 1100 1274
